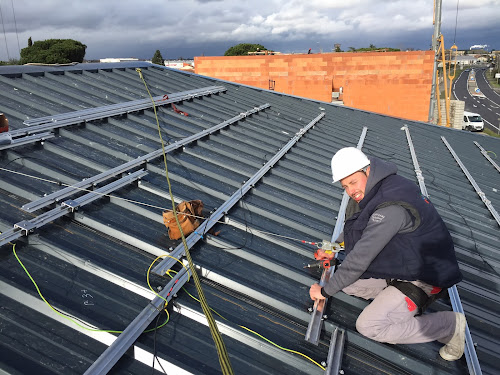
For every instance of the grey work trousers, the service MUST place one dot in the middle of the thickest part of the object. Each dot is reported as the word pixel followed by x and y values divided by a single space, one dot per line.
pixel 390 317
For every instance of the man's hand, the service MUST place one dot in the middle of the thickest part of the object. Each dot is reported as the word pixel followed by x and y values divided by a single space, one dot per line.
pixel 320 254
pixel 315 292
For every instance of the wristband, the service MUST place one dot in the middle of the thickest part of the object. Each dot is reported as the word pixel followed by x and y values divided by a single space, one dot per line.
pixel 325 294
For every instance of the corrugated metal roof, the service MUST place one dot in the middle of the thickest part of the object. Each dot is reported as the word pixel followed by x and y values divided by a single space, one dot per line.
pixel 92 264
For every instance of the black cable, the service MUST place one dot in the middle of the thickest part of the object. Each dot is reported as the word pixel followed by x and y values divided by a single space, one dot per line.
pixel 22 157
pixel 155 357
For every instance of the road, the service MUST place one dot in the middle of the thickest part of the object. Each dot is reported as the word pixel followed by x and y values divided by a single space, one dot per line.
pixel 488 107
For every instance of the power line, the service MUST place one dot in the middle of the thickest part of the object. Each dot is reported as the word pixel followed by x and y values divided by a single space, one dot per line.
pixel 4 34
pixel 15 25
pixel 456 22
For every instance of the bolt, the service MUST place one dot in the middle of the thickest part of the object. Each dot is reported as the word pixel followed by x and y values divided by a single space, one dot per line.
pixel 310 309
pixel 325 317
pixel 175 295
pixel 341 372
pixel 323 363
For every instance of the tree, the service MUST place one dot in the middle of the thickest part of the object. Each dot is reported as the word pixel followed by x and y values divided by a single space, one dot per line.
pixel 337 49
pixel 158 58
pixel 242 49
pixel 10 62
pixel 30 42
pixel 54 51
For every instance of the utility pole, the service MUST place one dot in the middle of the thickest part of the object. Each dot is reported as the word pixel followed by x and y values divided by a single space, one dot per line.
pixel 435 36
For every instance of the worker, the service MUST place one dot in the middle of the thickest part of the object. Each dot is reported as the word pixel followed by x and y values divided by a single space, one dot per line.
pixel 398 253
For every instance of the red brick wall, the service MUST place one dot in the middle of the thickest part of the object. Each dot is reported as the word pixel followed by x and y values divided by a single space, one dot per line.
pixel 392 83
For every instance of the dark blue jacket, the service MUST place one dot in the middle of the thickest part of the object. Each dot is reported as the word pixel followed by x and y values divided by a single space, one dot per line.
pixel 424 253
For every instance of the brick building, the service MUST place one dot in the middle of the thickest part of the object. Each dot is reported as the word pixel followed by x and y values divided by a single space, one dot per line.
pixel 391 83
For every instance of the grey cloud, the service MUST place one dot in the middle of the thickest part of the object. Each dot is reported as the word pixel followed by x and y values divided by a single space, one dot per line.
pixel 131 28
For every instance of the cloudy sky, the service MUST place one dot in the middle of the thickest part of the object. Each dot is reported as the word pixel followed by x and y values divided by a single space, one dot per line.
pixel 187 28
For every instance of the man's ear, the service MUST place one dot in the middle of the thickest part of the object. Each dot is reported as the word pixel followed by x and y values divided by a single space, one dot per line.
pixel 367 171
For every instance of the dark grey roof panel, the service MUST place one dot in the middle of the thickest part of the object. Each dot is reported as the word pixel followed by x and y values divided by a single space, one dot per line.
pixel 252 270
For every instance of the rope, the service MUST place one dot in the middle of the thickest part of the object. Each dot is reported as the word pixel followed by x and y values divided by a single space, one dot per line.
pixel 216 336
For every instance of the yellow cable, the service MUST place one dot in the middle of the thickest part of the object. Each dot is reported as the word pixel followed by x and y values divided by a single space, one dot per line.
pixel 492 153
pixel 255 333
pixel 165 309
pixel 67 317
pixel 149 270
pixel 282 348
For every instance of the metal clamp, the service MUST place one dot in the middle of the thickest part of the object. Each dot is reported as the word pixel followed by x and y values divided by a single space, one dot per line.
pixel 25 226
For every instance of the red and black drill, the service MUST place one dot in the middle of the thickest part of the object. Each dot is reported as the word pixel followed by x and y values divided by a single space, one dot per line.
pixel 328 248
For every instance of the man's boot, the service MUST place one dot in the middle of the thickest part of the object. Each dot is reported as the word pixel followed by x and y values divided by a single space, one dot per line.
pixel 454 349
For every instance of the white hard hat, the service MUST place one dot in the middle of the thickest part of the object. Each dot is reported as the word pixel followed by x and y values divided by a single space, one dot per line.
pixel 347 161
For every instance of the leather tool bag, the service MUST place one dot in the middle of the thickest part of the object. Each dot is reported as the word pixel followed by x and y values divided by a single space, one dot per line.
pixel 186 212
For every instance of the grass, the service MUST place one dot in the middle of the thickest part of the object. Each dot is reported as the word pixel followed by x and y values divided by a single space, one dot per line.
pixel 491 78
pixel 491 133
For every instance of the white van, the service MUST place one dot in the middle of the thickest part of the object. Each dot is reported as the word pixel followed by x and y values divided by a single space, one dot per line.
pixel 472 122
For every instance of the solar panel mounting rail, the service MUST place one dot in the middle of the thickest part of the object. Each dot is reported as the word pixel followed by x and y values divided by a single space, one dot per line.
pixel 87 183
pixel 38 129
pixel 25 227
pixel 116 350
pixel 470 350
pixel 479 192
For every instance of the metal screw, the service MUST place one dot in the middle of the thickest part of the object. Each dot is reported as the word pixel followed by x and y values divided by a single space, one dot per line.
pixel 341 372
pixel 323 364
pixel 325 317
pixel 310 309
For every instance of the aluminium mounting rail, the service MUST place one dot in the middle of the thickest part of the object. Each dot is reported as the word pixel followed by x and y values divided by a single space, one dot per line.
pixel 98 113
pixel 485 154
pixel 470 350
pixel 39 128
pixel 315 324
pixel 479 192
pixel 84 184
pixel 127 338
pixel 163 266
pixel 418 171
pixel 334 359
pixel 25 227
pixel 39 137
pixel 116 350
